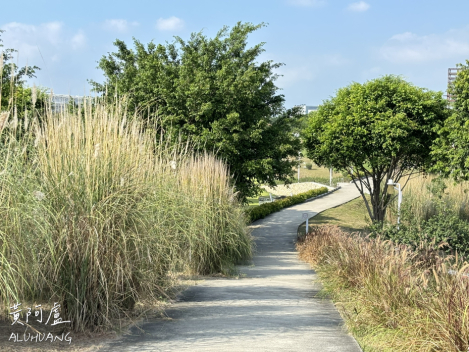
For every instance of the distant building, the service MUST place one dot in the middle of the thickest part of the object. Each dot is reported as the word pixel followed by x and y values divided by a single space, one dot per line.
pixel 452 73
pixel 60 101
pixel 306 109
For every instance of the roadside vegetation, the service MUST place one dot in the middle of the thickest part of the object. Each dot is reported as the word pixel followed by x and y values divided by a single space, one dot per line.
pixel 265 209
pixel 218 93
pixel 393 298
pixel 100 216
pixel 394 287
pixel 400 287
pixel 105 204
pixel 379 130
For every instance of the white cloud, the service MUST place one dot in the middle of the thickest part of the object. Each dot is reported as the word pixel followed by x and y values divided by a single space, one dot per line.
pixel 78 40
pixel 307 3
pixel 360 6
pixel 26 38
pixel 404 37
pixel 118 25
pixel 371 73
pixel 291 76
pixel 411 48
pixel 169 24
pixel 42 43
pixel 334 60
pixel 309 68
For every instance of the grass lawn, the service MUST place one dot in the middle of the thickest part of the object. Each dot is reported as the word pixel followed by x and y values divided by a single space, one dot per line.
pixel 316 171
pixel 350 217
pixel 254 202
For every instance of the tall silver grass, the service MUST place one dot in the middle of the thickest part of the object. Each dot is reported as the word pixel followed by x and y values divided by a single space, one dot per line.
pixel 93 214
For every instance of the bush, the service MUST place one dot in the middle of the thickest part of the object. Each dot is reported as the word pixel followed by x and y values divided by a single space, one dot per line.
pixel 445 229
pixel 309 166
pixel 265 209
pixel 439 224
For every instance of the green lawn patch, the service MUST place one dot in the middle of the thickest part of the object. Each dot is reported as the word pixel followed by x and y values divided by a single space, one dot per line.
pixel 254 202
pixel 350 217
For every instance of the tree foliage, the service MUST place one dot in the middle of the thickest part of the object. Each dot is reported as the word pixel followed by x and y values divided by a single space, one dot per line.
pixel 13 92
pixel 451 148
pixel 379 130
pixel 214 92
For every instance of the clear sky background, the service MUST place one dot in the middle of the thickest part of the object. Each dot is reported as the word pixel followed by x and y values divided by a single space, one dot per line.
pixel 324 44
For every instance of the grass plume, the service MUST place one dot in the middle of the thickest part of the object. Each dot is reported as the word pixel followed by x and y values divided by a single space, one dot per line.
pixel 95 217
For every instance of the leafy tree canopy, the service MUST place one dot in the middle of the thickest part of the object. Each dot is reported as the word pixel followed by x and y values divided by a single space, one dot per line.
pixel 451 148
pixel 215 92
pixel 13 92
pixel 379 130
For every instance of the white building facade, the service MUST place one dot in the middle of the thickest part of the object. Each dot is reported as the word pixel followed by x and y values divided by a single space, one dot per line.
pixel 306 109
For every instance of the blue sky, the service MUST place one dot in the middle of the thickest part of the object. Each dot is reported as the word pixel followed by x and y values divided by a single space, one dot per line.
pixel 324 44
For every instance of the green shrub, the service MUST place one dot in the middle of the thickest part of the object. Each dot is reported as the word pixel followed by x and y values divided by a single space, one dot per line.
pixel 443 226
pixel 309 166
pixel 265 209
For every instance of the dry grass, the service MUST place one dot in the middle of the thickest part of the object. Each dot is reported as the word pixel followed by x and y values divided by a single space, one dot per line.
pixel 393 298
pixel 421 194
pixel 316 171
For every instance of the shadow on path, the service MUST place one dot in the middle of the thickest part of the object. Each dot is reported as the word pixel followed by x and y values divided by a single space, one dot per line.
pixel 274 307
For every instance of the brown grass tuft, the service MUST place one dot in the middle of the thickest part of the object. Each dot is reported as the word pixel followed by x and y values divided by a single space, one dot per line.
pixel 393 298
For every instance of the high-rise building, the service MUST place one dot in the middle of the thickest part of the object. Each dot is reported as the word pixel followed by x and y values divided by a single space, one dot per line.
pixel 306 109
pixel 452 72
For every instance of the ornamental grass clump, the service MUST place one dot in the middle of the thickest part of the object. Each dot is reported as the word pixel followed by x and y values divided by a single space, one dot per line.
pixel 99 215
pixel 216 226
pixel 393 298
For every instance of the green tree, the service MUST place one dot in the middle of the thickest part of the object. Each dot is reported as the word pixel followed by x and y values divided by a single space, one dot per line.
pixel 214 92
pixel 13 93
pixel 379 130
pixel 451 149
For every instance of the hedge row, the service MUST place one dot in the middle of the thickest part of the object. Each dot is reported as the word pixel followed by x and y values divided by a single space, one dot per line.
pixel 265 209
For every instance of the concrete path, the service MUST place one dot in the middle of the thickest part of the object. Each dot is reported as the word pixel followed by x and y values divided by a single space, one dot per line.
pixel 272 307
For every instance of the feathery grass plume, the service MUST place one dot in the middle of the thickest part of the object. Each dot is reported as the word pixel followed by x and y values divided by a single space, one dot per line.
pixel 392 297
pixel 102 222
pixel 424 191
pixel 26 120
pixel 34 95
pixel 3 119
pixel 14 122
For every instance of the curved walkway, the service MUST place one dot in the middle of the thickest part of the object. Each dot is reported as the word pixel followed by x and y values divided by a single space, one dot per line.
pixel 272 307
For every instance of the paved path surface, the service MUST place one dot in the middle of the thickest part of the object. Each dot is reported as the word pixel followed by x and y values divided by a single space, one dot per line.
pixel 273 308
